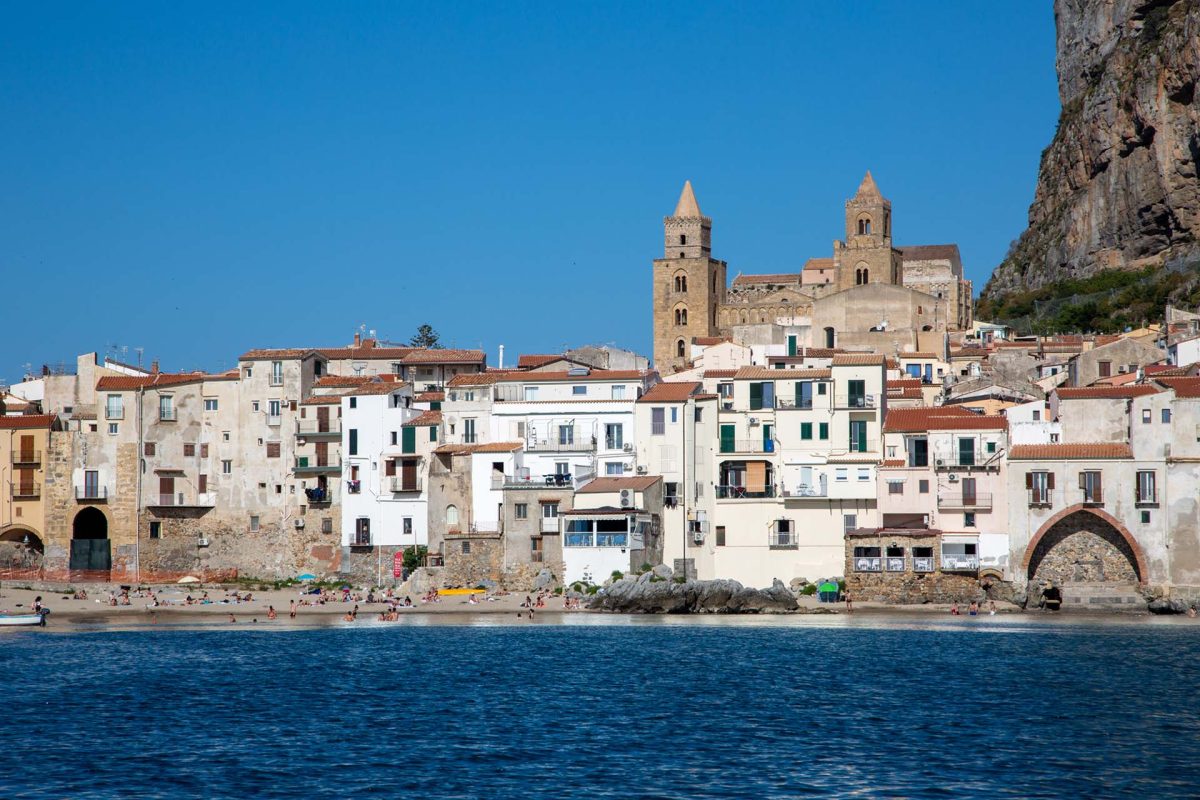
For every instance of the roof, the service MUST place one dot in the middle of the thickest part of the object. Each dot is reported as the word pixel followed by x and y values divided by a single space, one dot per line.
pixel 469 449
pixel 779 277
pixel 1104 392
pixel 903 356
pixel 858 360
pixel 638 484
pixel 677 392
pixel 538 359
pixel 443 357
pixel 819 263
pixel 893 462
pixel 602 510
pixel 929 252
pixel 346 381
pixel 322 400
pixel 719 373
pixel 278 354
pixel 119 383
pixel 1082 450
pixel 970 352
pixel 28 421
pixel 709 341
pixel 374 387
pixel 429 397
pixel 592 375
pixel 765 373
pixel 924 419
pixel 427 418
pixel 687 205
pixel 1183 387
pixel 868 188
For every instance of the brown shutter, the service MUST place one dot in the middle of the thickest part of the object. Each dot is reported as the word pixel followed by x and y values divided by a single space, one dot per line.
pixel 189 450
pixel 202 484
pixel 1050 480
pixel 149 448
pixel 389 467
pixel 1028 480
pixel 756 476
pixel 272 449
pixel 204 451
pixel 1099 498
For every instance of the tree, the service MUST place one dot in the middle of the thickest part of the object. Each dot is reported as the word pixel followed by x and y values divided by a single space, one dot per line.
pixel 426 337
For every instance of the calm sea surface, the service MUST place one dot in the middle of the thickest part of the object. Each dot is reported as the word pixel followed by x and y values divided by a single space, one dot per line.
pixel 606 707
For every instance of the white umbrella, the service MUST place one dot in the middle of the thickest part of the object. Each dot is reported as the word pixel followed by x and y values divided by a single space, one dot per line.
pixel 189 579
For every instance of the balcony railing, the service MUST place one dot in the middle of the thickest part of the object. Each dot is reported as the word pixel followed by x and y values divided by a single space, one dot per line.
pixel 318 496
pixel 26 458
pixel 1038 498
pixel 783 540
pixel 549 525
pixel 95 493
pixel 922 563
pixel 959 563
pixel 179 500
pixel 26 491
pixel 868 564
pixel 397 483
pixel 743 493
pixel 167 415
pixel 747 446
pixel 315 464
pixel 114 413
pixel 360 539
pixel 893 564
pixel 961 500
pixel 792 402
pixel 485 526
pixel 805 490
pixel 553 444
pixel 863 446
pixel 855 401
pixel 319 427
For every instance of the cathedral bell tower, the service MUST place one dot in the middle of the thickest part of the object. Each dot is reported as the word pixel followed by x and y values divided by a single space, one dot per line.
pixel 867 256
pixel 689 284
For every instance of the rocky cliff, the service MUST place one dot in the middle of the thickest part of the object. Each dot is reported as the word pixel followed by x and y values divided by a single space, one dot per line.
pixel 1118 186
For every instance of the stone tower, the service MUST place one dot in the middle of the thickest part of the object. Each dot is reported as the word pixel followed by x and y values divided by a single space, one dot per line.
pixel 867 255
pixel 689 284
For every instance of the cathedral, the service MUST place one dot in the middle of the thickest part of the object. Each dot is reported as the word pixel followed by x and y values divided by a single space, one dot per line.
pixel 870 295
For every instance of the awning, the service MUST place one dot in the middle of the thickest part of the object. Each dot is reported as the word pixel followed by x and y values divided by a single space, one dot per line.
pixel 960 538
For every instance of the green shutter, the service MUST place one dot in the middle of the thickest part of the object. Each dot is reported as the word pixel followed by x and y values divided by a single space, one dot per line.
pixel 727 441
pixel 756 396
pixel 805 430
pixel 433 433
pixel 435 405
pixel 823 430
pixel 408 440
pixel 791 345
pixel 798 393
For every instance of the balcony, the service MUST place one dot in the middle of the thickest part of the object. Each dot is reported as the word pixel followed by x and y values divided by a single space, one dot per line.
pixel 863 446
pixel 805 490
pixel 397 483
pixel 179 500
pixel 855 401
pixel 1038 498
pixel 922 563
pixel 318 496
pixel 958 501
pixel 524 480
pixel 953 562
pixel 315 465
pixel 26 491
pixel 26 458
pixel 747 446
pixel 742 493
pixel 167 415
pixel 549 525
pixel 791 402
pixel 114 413
pixel 554 444
pixel 783 540
pixel 319 428
pixel 91 494
pixel 893 564
pixel 868 564
pixel 274 420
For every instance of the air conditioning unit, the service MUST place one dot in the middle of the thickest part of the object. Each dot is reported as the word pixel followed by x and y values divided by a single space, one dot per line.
pixel 754 420
pixel 697 537
pixel 641 470
pixel 626 498
pixel 202 542
pixel 299 523
pixel 952 478
pixel 941 462
pixel 628 448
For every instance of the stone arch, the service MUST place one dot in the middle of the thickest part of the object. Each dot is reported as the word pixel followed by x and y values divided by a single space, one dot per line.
pixel 680 349
pixel 681 315
pixel 745 317
pixel 24 536
pixel 90 523
pixel 1088 520
pixel 864 225
pixel 681 282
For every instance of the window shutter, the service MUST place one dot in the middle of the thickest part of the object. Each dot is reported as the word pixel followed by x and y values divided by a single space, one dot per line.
pixel 1028 480
pixel 389 467
pixel 1050 480
pixel 1083 480
pixel 1099 498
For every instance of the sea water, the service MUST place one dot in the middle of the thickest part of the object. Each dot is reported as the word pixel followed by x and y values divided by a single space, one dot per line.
pixel 606 707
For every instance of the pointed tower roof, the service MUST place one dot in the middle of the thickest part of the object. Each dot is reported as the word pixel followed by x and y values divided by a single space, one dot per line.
pixel 687 205
pixel 868 188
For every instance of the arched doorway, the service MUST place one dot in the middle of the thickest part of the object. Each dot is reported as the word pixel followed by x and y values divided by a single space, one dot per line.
pixel 1088 554
pixel 20 549
pixel 90 546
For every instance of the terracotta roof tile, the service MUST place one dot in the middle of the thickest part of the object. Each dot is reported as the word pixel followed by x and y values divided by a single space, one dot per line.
pixel 430 397
pixel 858 360
pixel 767 374
pixel 719 373
pixel 1103 392
pixel 322 400
pixel 939 418
pixel 1082 450
pixel 119 383
pixel 536 360
pixel 929 252
pixel 443 357
pixel 903 356
pixel 469 449
pixel 481 378
pixel 593 375
pixel 1183 387
pixel 709 341
pixel 278 354
pixel 639 484
pixel 819 263
pixel 346 381
pixel 893 462
pixel 425 419
pixel 28 421
pixel 674 392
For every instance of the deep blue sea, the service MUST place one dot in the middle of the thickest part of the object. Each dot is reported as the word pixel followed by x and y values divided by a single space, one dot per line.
pixel 606 708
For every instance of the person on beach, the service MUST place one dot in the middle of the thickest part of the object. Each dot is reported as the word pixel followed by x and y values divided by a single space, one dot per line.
pixel 849 604
pixel 292 610
pixel 992 608
pixel 232 618
pixel 973 609
pixel 954 609
pixel 37 604
pixel 407 601
pixel 271 612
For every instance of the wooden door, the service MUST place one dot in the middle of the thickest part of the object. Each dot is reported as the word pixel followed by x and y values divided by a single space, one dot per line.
pixel 322 419
pixel 408 473
pixel 26 449
pixel 968 491
pixel 166 490
pixel 322 454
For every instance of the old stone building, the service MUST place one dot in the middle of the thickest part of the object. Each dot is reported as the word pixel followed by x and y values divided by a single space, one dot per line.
pixel 870 295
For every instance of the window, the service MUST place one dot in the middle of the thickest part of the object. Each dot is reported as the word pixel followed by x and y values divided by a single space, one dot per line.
pixel 155 529
pixel 204 451
pixel 806 430
pixel 1146 416
pixel 225 436
pixel 226 467
pixel 466 548
pixel 452 516
pixel 969 519
pixel 858 436
pixel 681 316
pixel 395 436
pixel 1039 484
pixel 674 415
pixel 680 349
pixel 562 468
pixel 1145 517
pixel 991 447
pixel 566 434
pixel 1037 416
pixel 114 407
pixel 849 522
pixel 406 526
pixel 549 510
pixel 354 402
pixel 1147 492
pixel 1105 368
pixel 614 436
pixel 273 408
pixel 923 486
pixel 966 452
pixel 864 473
pixel 720 536
pixel 895 487
pixel 354 441
pixel 658 424
pixel 699 416
pixel 618 390
pixel 614 468
pixel 210 404
pixel 1166 416
pixel 254 406
pixel 189 451
pixel 822 388
pixel 578 391
pixel 531 393
pixel 362 531
pixel 1054 438
pixel 148 449
pixel 1090 485
pixel 762 395
pixel 166 407
pixel 725 390
pixel 277 373
pixel 202 484
pixel 112 428
pixel 469 431
pixel 823 430
pixel 841 474
pixel 433 433
pixel 521 511
pixel 272 449
pixel 254 522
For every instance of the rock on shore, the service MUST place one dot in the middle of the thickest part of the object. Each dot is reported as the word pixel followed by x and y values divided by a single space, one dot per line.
pixel 652 594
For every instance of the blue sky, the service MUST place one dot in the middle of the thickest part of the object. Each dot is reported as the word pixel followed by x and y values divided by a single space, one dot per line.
pixel 200 180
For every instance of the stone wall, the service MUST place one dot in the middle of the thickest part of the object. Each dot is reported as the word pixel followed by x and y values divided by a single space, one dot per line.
pixel 471 560
pixel 908 587
pixel 1069 555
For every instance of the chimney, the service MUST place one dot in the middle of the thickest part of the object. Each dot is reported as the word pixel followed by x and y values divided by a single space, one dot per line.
pixel 501 365
pixel 357 338
pixel 154 367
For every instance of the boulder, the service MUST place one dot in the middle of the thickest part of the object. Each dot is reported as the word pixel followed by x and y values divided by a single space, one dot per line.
pixel 1165 605
pixel 663 571
pixel 544 580
pixel 643 596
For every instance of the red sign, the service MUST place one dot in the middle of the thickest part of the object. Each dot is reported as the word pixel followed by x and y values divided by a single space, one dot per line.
pixel 398 565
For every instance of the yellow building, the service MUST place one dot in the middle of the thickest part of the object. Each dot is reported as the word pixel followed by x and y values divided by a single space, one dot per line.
pixel 24 442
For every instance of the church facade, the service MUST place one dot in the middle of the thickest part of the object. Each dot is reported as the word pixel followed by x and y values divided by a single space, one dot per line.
pixel 869 295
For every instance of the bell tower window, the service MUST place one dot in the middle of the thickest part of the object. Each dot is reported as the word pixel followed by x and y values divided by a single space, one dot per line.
pixel 681 283
pixel 679 347
pixel 683 238
pixel 681 317
pixel 864 226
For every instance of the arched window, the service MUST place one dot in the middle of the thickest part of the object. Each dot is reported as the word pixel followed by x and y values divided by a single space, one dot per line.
pixel 681 316
pixel 864 226
pixel 451 516
pixel 861 276
pixel 830 338
pixel 679 348
pixel 682 239
pixel 681 282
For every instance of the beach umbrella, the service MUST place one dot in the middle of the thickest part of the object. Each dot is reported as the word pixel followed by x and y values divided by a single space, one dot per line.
pixel 308 576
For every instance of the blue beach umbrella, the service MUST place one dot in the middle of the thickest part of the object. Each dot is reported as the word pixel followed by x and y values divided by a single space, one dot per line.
pixel 306 577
